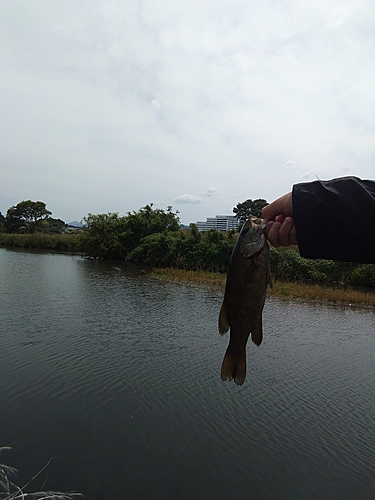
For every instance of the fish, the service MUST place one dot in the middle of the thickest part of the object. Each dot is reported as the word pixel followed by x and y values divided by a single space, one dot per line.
pixel 245 293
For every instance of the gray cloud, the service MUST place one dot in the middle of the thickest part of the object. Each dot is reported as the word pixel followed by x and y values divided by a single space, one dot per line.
pixel 106 106
pixel 212 191
pixel 187 198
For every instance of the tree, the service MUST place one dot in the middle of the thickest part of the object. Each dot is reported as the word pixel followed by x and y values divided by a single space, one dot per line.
pixel 249 207
pixel 110 236
pixel 104 235
pixel 56 225
pixel 26 216
pixel 195 234
pixel 149 220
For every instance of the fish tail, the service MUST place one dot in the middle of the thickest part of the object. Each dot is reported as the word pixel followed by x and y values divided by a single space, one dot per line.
pixel 234 366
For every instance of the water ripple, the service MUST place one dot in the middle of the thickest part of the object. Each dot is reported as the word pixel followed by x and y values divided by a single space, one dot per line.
pixel 108 363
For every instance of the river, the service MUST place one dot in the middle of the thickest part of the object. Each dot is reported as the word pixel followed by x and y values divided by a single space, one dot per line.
pixel 115 375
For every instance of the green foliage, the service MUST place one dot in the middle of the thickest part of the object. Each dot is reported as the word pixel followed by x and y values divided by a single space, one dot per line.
pixel 55 225
pixel 185 251
pixel 195 234
pixel 27 216
pixel 157 250
pixel 110 236
pixel 104 236
pixel 249 207
pixel 363 275
pixel 149 221
pixel 211 253
pixel 288 265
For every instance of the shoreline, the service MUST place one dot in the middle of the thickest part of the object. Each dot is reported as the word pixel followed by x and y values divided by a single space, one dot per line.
pixel 284 290
pixel 347 297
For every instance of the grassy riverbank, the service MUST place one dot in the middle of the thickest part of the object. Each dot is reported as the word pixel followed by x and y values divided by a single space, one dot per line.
pixel 43 241
pixel 281 289
pixel 291 270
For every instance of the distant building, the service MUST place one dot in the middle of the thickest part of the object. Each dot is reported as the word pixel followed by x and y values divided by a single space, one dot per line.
pixel 219 222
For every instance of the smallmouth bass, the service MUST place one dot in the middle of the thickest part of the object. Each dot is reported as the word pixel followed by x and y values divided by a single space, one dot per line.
pixel 245 293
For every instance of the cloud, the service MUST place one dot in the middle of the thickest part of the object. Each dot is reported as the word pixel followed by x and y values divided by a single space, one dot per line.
pixel 212 191
pixel 188 198
pixel 307 175
pixel 155 104
pixel 108 106
pixel 288 163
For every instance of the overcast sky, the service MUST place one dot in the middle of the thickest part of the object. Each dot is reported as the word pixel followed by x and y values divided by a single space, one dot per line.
pixel 109 105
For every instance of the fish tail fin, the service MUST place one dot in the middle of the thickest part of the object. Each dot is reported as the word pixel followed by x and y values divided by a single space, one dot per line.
pixel 234 366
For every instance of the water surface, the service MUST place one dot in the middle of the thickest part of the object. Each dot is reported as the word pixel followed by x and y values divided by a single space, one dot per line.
pixel 116 375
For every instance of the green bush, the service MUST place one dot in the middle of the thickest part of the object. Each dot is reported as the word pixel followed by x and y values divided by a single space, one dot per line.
pixel 363 275
pixel 184 251
pixel 157 250
pixel 104 236
pixel 288 265
pixel 110 236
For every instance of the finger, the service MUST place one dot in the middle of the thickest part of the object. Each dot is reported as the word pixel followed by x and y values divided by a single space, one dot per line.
pixel 272 231
pixel 267 214
pixel 285 232
pixel 280 218
pixel 283 205
pixel 268 227
pixel 293 236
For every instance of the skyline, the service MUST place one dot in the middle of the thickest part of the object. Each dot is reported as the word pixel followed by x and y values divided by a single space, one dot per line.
pixel 108 106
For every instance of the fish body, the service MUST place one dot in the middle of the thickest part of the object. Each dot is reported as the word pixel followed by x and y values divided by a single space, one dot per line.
pixel 245 294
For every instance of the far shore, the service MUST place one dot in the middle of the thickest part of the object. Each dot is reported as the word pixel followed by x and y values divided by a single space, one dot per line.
pixel 302 291
pixel 69 244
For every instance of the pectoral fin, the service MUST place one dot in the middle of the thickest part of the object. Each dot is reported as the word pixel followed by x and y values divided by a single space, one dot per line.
pixel 223 319
pixel 257 333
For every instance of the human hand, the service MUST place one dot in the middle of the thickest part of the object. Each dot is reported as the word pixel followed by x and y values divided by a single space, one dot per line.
pixel 280 230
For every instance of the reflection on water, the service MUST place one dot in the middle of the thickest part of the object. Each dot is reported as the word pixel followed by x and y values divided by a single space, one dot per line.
pixel 117 376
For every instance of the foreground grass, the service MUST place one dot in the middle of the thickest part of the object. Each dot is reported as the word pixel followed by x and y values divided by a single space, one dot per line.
pixel 281 289
pixel 11 491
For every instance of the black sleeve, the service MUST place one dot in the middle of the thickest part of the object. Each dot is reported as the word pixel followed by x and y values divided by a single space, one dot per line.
pixel 336 219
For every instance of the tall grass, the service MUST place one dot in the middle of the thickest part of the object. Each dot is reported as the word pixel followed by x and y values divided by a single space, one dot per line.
pixel 282 289
pixel 54 241
pixel 201 278
pixel 10 491
pixel 339 296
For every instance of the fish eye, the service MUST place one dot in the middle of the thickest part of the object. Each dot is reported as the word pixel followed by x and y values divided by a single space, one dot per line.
pixel 245 230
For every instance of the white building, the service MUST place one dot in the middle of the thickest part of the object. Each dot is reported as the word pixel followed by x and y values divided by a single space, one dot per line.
pixel 219 222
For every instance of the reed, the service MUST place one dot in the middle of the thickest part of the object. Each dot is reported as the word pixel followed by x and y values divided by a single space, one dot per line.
pixel 288 290
pixel 10 491
pixel 45 241
pixel 201 278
